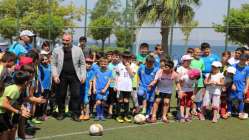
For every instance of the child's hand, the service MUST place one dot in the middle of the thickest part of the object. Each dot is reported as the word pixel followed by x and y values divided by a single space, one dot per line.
pixel 25 113
pixel 193 97
pixel 233 87
pixel 180 94
pixel 103 91
pixel 41 100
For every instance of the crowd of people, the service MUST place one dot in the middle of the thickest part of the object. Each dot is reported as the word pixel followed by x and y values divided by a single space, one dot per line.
pixel 116 85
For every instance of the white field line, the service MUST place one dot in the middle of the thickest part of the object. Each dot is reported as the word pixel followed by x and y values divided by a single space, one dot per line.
pixel 86 132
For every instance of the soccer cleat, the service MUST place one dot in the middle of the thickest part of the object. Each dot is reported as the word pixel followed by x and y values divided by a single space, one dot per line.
pixel 120 119
pixel 35 121
pixel 86 117
pixel 127 119
pixel 82 117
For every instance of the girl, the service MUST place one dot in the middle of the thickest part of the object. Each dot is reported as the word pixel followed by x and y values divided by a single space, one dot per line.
pixel 165 79
pixel 214 82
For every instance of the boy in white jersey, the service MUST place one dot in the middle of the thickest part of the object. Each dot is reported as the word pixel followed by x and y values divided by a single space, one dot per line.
pixel 124 77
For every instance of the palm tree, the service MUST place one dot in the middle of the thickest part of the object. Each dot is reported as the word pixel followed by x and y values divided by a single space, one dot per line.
pixel 152 11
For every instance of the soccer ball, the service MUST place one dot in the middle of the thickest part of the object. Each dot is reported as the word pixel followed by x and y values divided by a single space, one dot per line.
pixel 96 130
pixel 139 119
pixel 243 116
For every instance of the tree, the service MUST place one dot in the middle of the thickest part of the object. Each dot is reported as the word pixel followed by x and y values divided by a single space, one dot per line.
pixel 30 12
pixel 239 23
pixel 152 11
pixel 187 29
pixel 43 24
pixel 101 29
pixel 125 37
pixel 8 27
pixel 125 27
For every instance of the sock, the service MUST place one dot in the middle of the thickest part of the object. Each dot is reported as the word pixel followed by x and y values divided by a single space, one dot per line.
pixel 241 106
pixel 98 110
pixel 102 110
pixel 126 109
pixel 118 106
pixel 149 108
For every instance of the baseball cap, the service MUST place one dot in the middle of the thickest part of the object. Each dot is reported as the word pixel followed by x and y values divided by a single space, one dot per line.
pixel 231 70
pixel 186 57
pixel 217 64
pixel 27 33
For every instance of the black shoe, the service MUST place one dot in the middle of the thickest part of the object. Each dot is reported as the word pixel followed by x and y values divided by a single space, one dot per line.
pixel 60 117
pixel 75 118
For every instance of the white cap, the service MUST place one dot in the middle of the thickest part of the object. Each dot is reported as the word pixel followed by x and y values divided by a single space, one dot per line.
pixel 231 70
pixel 44 52
pixel 186 57
pixel 217 64
pixel 27 33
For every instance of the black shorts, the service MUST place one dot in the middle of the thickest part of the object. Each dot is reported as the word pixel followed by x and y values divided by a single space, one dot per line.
pixel 112 96
pixel 124 94
pixel 5 122
pixel 163 95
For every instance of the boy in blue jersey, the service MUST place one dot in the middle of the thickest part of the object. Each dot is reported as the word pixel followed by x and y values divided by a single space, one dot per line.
pixel 146 74
pixel 101 85
pixel 87 90
pixel 240 82
pixel 112 97
pixel 208 58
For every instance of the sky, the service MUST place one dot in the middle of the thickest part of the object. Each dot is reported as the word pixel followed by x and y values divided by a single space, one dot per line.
pixel 208 13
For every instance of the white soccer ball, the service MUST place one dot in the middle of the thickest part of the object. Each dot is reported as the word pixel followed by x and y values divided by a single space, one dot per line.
pixel 96 130
pixel 243 116
pixel 139 119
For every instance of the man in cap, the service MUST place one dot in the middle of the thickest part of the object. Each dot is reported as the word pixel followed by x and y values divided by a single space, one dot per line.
pixel 22 46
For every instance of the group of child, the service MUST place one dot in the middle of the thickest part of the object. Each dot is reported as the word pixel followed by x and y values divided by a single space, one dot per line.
pixel 114 79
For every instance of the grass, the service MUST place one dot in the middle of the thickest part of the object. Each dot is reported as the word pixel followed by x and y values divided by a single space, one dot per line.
pixel 197 130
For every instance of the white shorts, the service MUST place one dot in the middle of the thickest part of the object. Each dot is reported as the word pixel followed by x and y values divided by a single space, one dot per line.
pixel 208 98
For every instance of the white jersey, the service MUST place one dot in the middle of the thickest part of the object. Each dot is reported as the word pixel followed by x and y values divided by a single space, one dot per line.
pixel 188 84
pixel 214 89
pixel 123 78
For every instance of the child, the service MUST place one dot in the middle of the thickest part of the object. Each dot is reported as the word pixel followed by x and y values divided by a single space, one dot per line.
pixel 112 97
pixel 165 79
pixel 214 82
pixel 7 67
pixel 7 100
pixel 101 84
pixel 228 83
pixel 187 92
pixel 124 86
pixel 134 64
pixel 146 74
pixel 88 89
pixel 45 82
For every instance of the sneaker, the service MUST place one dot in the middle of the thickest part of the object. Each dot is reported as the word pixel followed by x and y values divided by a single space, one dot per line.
pixel 102 118
pixel 120 119
pixel 86 117
pixel 127 119
pixel 60 117
pixel 28 136
pixel 188 119
pixel 82 117
pixel 182 120
pixel 35 121
pixel 109 116
pixel 75 118
pixel 201 117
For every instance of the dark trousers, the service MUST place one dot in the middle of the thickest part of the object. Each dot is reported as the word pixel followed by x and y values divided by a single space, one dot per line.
pixel 74 84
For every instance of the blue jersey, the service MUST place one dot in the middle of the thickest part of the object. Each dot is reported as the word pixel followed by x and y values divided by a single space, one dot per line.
pixel 19 49
pixel 239 79
pixel 146 76
pixel 102 78
pixel 157 62
pixel 45 76
pixel 208 60
pixel 112 67
pixel 95 67
pixel 89 78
